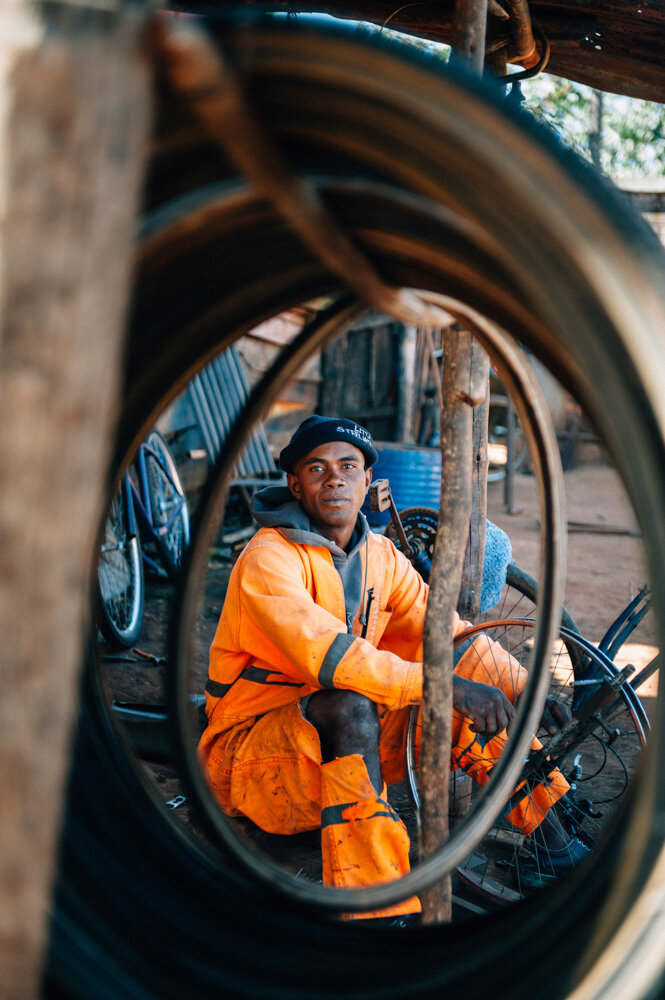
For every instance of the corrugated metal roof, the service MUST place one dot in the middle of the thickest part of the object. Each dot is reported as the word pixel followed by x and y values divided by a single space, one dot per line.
pixel 218 394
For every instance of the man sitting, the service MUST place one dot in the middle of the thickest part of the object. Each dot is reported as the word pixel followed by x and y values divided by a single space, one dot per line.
pixel 316 661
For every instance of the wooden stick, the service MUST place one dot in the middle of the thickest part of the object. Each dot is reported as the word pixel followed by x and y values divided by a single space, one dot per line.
pixel 445 579
pixel 74 121
pixel 472 574
pixel 463 388
pixel 201 74
pixel 469 26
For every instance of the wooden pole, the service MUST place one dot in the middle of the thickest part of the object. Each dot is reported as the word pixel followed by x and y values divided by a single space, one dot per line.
pixel 596 127
pixel 468 32
pixel 468 604
pixel 333 375
pixel 74 93
pixel 464 386
pixel 406 381
pixel 497 62
pixel 456 440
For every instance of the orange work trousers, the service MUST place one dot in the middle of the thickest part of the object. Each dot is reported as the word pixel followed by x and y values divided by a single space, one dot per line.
pixel 271 772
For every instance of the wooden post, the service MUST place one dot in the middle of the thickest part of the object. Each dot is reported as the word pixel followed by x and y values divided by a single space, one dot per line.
pixel 520 20
pixel 456 439
pixel 497 62
pixel 333 375
pixel 596 127
pixel 472 574
pixel 406 381
pixel 463 388
pixel 74 91
pixel 468 32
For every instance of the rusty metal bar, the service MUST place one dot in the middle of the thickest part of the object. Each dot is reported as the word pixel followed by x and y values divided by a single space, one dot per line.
pixel 522 32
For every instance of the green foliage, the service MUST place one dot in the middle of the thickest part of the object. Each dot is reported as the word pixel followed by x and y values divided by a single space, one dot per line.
pixel 435 49
pixel 632 138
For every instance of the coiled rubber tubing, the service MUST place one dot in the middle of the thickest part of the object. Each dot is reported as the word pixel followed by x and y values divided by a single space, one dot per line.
pixel 448 190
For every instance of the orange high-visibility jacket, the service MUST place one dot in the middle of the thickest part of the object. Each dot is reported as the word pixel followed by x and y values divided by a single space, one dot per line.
pixel 283 634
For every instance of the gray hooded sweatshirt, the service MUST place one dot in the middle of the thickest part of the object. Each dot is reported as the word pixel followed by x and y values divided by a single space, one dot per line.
pixel 276 507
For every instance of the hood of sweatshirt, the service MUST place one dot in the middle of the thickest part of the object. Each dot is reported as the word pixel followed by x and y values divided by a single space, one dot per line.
pixel 276 507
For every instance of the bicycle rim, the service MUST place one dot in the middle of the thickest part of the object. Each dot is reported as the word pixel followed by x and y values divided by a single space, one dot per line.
pixel 168 504
pixel 120 578
pixel 599 767
pixel 519 599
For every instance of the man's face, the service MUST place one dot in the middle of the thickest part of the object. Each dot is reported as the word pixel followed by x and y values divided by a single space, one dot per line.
pixel 331 483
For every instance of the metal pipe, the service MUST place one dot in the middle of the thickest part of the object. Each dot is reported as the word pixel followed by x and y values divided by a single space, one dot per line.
pixel 522 32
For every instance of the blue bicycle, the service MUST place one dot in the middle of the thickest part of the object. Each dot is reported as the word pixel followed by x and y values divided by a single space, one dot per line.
pixel 147 528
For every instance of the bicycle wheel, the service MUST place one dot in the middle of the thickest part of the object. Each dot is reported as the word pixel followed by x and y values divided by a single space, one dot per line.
pixel 120 580
pixel 598 762
pixel 168 504
pixel 519 599
pixel 497 440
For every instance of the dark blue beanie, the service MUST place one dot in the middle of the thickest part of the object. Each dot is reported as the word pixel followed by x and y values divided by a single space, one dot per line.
pixel 316 430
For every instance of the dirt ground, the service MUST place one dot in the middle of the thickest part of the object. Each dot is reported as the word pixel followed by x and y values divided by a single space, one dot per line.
pixel 605 567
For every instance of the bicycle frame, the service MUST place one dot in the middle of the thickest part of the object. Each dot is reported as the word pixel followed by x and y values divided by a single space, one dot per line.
pixel 592 712
pixel 599 697
pixel 625 623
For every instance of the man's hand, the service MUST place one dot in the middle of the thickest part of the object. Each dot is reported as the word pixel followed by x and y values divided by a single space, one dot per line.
pixel 555 716
pixel 487 706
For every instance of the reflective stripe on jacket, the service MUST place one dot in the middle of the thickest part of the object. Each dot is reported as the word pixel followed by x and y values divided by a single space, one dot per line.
pixel 282 633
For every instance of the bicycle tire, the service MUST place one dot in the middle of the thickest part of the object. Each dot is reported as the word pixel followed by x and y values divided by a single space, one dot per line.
pixel 120 580
pixel 444 858
pixel 495 870
pixel 168 503
pixel 519 599
pixel 195 922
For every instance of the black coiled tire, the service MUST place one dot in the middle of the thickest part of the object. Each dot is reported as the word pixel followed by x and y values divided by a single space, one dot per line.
pixel 446 190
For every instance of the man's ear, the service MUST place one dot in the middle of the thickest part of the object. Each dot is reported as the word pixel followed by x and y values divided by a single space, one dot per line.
pixel 368 478
pixel 293 484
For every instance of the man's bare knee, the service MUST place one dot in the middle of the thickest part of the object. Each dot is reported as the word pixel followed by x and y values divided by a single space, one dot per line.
pixel 347 723
pixel 330 711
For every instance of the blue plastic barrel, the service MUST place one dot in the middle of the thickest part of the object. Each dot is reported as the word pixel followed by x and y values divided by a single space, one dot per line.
pixel 414 474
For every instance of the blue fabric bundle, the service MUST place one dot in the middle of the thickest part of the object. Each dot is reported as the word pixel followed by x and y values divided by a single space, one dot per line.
pixel 498 556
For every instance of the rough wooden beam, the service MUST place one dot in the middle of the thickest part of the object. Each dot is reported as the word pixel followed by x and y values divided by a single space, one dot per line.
pixel 468 34
pixel 406 382
pixel 615 45
pixel 73 120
